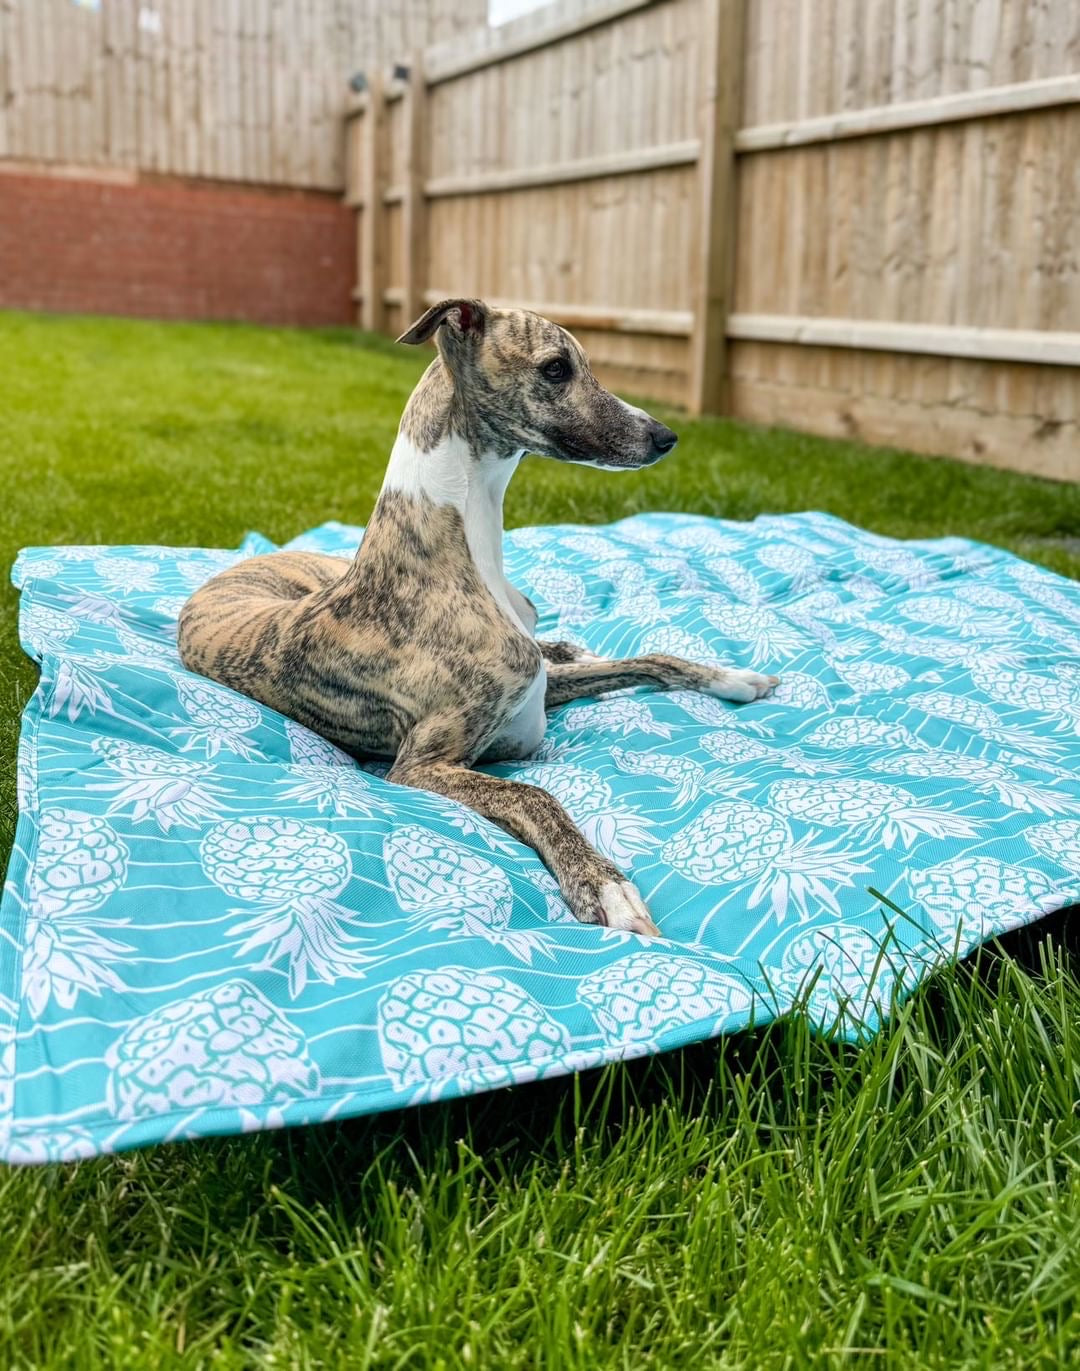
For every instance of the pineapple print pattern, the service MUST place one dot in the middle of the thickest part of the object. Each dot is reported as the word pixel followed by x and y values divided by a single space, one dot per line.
pixel 880 811
pixel 477 1027
pixel 214 920
pixel 975 897
pixel 224 1047
pixel 220 719
pixel 293 870
pixel 647 994
pixel 82 862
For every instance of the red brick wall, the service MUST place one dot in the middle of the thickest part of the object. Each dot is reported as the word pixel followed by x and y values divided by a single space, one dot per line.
pixel 172 249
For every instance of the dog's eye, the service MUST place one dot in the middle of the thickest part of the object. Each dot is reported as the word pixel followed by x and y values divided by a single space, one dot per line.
pixel 558 369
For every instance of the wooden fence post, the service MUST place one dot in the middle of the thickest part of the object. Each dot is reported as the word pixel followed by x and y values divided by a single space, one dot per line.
pixel 722 33
pixel 373 183
pixel 414 205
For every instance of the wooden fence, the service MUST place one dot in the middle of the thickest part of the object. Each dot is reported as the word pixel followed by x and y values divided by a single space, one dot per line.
pixel 240 90
pixel 858 217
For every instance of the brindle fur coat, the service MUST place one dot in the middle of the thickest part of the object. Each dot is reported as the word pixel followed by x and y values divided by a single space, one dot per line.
pixel 419 649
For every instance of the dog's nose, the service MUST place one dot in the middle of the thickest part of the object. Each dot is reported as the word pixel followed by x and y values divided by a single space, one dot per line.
pixel 663 439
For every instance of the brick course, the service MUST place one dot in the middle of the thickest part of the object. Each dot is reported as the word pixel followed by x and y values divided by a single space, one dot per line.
pixel 175 249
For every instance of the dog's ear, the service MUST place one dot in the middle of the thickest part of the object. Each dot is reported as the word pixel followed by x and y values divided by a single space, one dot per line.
pixel 465 316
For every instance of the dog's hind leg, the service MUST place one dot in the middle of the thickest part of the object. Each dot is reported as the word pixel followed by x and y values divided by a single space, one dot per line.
pixel 565 652
pixel 596 891
pixel 575 680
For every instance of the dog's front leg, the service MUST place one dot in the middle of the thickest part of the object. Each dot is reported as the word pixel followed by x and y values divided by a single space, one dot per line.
pixel 596 891
pixel 573 680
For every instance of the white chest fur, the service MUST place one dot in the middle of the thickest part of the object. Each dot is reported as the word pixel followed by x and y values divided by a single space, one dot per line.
pixel 452 474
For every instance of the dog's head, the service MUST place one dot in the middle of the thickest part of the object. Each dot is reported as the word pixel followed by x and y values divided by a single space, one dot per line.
pixel 520 382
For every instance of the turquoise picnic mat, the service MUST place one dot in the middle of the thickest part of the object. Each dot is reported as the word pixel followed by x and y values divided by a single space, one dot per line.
pixel 215 922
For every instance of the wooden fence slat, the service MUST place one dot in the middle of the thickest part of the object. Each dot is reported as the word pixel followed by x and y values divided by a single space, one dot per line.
pixel 414 204
pixel 723 35
pixel 373 263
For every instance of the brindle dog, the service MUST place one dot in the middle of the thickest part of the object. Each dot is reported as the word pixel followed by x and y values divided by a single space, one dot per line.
pixel 420 649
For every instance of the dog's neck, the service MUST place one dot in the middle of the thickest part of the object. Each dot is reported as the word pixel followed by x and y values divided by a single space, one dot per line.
pixel 431 461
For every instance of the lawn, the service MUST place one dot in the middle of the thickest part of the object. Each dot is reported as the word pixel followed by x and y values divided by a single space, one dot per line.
pixel 767 1201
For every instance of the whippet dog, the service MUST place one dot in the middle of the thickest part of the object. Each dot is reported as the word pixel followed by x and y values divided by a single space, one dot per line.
pixel 420 649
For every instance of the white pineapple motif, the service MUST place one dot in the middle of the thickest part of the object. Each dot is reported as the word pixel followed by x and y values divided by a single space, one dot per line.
pixel 989 597
pixel 677 571
pixel 468 1027
pixel 79 865
pixel 26 770
pixel 39 568
pixel 1059 841
pixel 45 629
pixel 619 833
pixel 307 748
pixel 646 994
pixel 714 713
pixel 196 571
pixel 792 561
pixel 733 749
pixel 444 886
pixel 677 642
pixel 865 678
pixel 1057 694
pixel 955 651
pixel 853 732
pixel 733 842
pixel 898 564
pixel 472 825
pixel 979 717
pixel 990 778
pixel 294 871
pixel 797 690
pixel 705 538
pixel 875 810
pixel 219 718
pixel 621 714
pixel 943 612
pixel 1047 589
pixel 156 785
pixel 344 791
pixel 768 637
pixel 169 606
pixel 865 591
pixel 125 574
pixel 556 910
pixel 836 964
pixel 563 592
pixel 687 776
pixel 150 647
pixel 76 690
pixel 982 895
pixel 635 594
pixel 90 607
pixel 228 1047
pixel 735 576
pixel 595 546
pixel 829 606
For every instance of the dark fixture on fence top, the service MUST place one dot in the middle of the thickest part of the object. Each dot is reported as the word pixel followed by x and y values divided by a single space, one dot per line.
pixel 358 82
pixel 401 72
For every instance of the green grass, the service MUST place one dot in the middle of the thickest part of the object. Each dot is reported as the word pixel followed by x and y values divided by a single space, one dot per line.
pixel 768 1201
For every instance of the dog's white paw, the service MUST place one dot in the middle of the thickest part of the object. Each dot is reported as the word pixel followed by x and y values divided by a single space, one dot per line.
pixel 624 908
pixel 740 685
